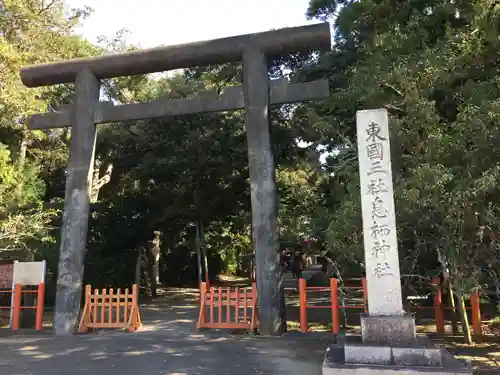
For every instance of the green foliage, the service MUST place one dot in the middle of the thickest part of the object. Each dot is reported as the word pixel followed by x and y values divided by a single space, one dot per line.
pixel 31 32
pixel 434 66
pixel 22 221
pixel 298 201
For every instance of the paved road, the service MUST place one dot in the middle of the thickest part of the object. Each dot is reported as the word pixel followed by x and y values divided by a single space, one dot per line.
pixel 168 345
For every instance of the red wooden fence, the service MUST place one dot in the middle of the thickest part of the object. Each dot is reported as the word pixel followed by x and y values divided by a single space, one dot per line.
pixel 438 307
pixel 107 309
pixel 228 308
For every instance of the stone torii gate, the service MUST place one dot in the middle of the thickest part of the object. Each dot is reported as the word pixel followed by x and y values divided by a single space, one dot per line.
pixel 255 96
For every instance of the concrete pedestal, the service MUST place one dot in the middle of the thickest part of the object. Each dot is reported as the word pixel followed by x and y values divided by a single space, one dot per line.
pixel 419 353
pixel 391 330
pixel 335 364
pixel 389 345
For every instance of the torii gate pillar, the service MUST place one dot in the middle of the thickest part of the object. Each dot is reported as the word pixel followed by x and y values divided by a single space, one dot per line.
pixel 76 203
pixel 263 192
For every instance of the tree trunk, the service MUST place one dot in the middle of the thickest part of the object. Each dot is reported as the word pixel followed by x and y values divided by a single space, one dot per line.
pixel 204 252
pixel 153 274
pixel 154 263
pixel 464 318
pixel 28 316
pixel 284 325
pixel 333 270
pixel 157 270
pixel 152 280
pixel 198 252
pixel 253 268
pixel 23 148
pixel 98 183
pixel 138 264
pixel 454 321
pixel 21 161
pixel 496 281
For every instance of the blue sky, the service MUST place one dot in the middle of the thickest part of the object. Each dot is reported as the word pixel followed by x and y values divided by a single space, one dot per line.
pixel 156 22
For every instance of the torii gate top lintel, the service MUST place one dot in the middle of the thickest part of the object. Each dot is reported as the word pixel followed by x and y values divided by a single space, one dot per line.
pixel 159 59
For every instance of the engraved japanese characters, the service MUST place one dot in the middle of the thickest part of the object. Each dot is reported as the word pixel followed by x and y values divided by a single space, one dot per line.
pixel 379 222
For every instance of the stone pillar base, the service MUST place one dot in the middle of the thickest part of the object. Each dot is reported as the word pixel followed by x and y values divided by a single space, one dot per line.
pixel 391 341
pixel 420 353
pixel 388 330
pixel 335 364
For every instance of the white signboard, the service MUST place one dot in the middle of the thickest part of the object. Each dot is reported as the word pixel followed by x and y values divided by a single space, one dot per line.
pixel 26 273
pixel 379 220
pixel 29 273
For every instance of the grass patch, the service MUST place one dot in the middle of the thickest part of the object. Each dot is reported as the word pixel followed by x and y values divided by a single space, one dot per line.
pixel 492 327
pixel 293 325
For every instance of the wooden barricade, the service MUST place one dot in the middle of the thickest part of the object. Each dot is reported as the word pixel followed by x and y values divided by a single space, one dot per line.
pixel 225 305
pixel 107 309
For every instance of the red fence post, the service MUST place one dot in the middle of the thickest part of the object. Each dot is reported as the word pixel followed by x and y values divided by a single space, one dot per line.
pixel 39 306
pixel 16 311
pixel 334 292
pixel 476 314
pixel 365 294
pixel 438 307
pixel 303 305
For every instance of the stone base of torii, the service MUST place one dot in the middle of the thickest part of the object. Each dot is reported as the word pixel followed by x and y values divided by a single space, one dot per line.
pixel 388 343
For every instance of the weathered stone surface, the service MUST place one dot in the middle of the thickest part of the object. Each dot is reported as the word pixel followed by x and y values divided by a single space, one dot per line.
pixel 392 330
pixel 362 354
pixel 211 52
pixel 335 364
pixel 76 205
pixel 379 219
pixel 421 352
pixel 417 356
pixel 231 99
pixel 263 193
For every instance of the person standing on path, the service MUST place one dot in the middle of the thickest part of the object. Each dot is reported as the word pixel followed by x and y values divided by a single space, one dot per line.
pixel 297 264
pixel 284 260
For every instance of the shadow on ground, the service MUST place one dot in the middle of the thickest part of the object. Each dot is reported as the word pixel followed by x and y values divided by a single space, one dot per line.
pixel 484 355
pixel 167 344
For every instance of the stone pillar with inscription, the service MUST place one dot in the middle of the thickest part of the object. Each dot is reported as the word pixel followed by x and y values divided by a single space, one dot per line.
pixel 388 342
pixel 385 321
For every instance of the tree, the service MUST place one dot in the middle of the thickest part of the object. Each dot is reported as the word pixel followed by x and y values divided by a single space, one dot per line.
pixel 22 223
pixel 434 66
pixel 33 31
